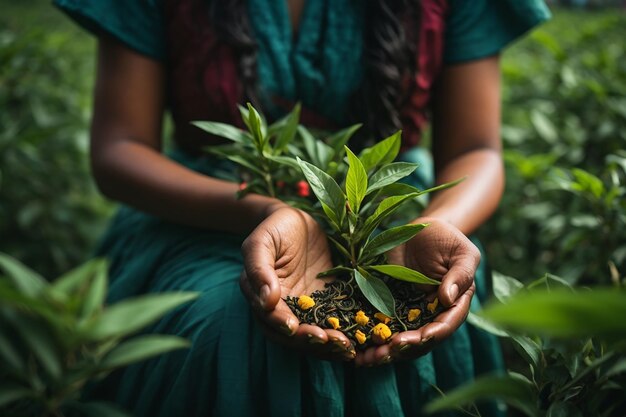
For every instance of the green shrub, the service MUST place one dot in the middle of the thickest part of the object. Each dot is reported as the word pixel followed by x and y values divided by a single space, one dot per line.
pixel 50 211
pixel 564 107
pixel 56 337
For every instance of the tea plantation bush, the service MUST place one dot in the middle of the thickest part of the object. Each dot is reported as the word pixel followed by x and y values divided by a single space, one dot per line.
pixel 49 209
pixel 564 108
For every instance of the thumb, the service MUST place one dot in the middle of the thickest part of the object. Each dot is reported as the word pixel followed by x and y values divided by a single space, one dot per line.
pixel 260 279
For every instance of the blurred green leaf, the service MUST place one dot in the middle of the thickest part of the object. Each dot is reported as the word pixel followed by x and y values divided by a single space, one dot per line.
pixel 10 393
pixel 563 313
pixel 339 139
pixel 513 389
pixel 23 278
pixel 504 287
pixel 41 342
pixel 96 295
pixel 141 348
pixel 224 130
pixel 288 132
pixel 129 316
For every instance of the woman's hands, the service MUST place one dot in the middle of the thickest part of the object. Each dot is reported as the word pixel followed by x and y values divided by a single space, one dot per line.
pixel 282 257
pixel 442 252
pixel 286 252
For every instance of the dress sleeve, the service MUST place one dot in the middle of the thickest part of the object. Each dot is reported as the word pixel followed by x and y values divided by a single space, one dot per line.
pixel 136 23
pixel 480 28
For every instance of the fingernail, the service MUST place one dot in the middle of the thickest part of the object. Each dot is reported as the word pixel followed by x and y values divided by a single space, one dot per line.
pixel 453 292
pixel 286 328
pixel 264 294
pixel 315 340
pixel 385 360
pixel 403 347
pixel 426 340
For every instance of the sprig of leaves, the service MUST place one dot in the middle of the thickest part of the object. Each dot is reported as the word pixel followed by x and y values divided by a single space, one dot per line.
pixel 356 195
pixel 266 154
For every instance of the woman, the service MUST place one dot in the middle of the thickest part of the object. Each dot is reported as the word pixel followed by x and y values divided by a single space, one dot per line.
pixel 384 63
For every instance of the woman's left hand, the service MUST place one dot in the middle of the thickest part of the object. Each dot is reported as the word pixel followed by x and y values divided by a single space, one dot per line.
pixel 441 252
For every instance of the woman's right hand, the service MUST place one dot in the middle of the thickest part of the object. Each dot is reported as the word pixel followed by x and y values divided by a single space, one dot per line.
pixel 282 257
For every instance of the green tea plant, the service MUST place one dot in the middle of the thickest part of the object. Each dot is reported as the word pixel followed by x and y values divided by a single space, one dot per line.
pixel 356 198
pixel 573 342
pixel 564 105
pixel 57 336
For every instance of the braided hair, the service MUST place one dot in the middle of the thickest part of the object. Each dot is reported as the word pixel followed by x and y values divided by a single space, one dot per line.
pixel 389 59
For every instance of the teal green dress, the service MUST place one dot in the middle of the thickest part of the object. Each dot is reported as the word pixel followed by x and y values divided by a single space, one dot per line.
pixel 231 369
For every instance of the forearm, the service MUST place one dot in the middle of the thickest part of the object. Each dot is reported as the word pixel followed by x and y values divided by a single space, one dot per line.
pixel 470 203
pixel 142 177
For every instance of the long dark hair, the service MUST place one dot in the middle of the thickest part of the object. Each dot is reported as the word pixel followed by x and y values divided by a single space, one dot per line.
pixel 389 59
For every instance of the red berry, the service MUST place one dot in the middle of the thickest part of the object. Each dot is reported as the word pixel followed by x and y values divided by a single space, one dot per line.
pixel 243 186
pixel 302 189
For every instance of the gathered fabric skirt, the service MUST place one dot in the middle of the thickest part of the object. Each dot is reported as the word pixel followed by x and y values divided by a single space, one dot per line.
pixel 231 369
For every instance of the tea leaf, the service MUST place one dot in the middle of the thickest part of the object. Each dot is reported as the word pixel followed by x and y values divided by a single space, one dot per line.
pixel 389 174
pixel 528 348
pixel 23 278
pixel 245 163
pixel 563 313
pixel 504 287
pixel 389 239
pixel 514 390
pixel 288 132
pixel 141 348
pixel 376 292
pixel 384 209
pixel 356 181
pixel 404 274
pixel 284 160
pixel 338 140
pixel 399 189
pixel 442 186
pixel 325 188
pixel 382 153
pixel 334 271
pixel 310 145
pixel 225 131
pixel 128 316
pixel 257 127
pixel 340 247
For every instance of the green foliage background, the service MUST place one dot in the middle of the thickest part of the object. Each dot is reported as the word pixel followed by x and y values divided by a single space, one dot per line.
pixel 564 129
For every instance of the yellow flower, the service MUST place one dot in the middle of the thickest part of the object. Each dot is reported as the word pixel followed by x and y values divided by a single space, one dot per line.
pixel 361 318
pixel 305 302
pixel 414 313
pixel 380 333
pixel 383 318
pixel 432 306
pixel 334 322
pixel 360 337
